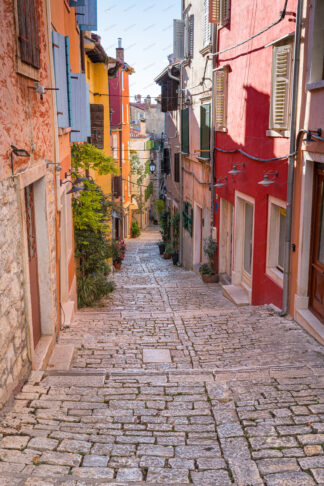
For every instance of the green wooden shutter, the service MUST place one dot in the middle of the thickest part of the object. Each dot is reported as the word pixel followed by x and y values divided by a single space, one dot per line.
pixel 205 131
pixel 185 131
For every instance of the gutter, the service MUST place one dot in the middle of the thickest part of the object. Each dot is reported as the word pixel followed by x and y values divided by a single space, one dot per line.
pixel 121 150
pixel 291 160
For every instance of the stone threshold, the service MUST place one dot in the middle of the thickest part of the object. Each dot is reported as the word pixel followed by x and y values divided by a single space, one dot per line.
pixel 236 294
pixel 43 352
pixel 308 321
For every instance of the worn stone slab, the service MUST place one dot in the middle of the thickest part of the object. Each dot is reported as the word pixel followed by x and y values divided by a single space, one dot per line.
pixel 75 380
pixel 61 357
pixel 152 355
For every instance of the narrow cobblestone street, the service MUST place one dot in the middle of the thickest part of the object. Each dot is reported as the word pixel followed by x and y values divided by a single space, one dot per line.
pixel 171 384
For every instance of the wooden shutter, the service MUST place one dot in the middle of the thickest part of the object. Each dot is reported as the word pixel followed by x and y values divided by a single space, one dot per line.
pixel 76 3
pixel 206 26
pixel 189 37
pixel 87 15
pixel 28 33
pixel 205 131
pixel 117 186
pixel 166 161
pixel 279 110
pixel 177 167
pixel 164 98
pixel 185 130
pixel 97 125
pixel 88 121
pixel 61 80
pixel 79 109
pixel 219 11
pixel 178 39
pixel 220 101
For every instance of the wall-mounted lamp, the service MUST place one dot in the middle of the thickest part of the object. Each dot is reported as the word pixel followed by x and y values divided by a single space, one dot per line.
pixel 74 187
pixel 152 167
pixel 58 167
pixel 236 169
pixel 39 88
pixel 19 153
pixel 268 178
pixel 219 182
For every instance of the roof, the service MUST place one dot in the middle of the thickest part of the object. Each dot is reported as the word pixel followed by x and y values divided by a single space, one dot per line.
pixel 164 74
pixel 141 106
pixel 136 134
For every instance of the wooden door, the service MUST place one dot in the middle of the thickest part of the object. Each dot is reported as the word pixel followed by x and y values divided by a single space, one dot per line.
pixel 229 239
pixel 33 263
pixel 317 256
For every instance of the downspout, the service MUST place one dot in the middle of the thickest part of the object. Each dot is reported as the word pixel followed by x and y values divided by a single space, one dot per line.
pixel 56 175
pixel 212 134
pixel 121 150
pixel 291 159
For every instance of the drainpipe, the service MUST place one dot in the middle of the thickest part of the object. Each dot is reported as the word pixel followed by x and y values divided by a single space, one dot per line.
pixel 291 159
pixel 181 171
pixel 212 134
pixel 121 150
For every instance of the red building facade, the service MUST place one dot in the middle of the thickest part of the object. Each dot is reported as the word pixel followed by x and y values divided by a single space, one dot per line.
pixel 252 99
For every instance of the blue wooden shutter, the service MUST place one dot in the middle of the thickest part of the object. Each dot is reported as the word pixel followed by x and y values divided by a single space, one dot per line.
pixel 68 76
pixel 76 3
pixel 61 80
pixel 79 109
pixel 88 111
pixel 87 15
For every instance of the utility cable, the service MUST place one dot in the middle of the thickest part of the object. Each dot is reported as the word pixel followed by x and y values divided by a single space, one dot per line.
pixel 282 16
pixel 196 179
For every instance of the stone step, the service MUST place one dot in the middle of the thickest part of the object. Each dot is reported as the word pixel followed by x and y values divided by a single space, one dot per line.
pixel 236 294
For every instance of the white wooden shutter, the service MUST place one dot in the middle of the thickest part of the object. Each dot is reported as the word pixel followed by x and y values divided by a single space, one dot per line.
pixel 189 37
pixel 220 100
pixel 219 11
pixel 178 39
pixel 207 26
pixel 279 110
pixel 186 37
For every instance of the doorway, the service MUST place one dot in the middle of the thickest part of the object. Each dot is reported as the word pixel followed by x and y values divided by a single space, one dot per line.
pixel 33 262
pixel 198 232
pixel 317 250
pixel 226 238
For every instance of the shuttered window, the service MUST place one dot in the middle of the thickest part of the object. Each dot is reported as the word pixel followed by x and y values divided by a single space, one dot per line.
pixel 178 39
pixel 177 167
pixel 206 26
pixel 28 32
pixel 205 131
pixel 281 72
pixel 169 101
pixel 76 3
pixel 185 130
pixel 87 15
pixel 189 37
pixel 220 101
pixel 117 186
pixel 219 11
pixel 97 125
pixel 61 56
pixel 79 128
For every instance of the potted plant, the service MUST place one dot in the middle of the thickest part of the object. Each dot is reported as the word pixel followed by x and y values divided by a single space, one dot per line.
pixel 165 225
pixel 135 229
pixel 169 250
pixel 207 274
pixel 118 253
pixel 161 246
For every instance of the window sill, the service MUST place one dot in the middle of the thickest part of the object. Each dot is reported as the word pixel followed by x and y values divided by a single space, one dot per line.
pixel 314 86
pixel 224 130
pixel 275 275
pixel 278 133
pixel 27 71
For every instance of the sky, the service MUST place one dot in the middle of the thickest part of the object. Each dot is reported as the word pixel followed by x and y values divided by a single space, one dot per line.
pixel 146 29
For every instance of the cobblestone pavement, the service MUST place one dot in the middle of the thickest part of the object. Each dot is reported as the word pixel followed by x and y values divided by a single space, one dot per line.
pixel 236 395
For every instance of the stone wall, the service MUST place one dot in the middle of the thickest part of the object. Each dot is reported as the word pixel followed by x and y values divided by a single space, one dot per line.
pixel 14 362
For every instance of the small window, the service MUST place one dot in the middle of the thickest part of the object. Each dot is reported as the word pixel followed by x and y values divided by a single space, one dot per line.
pixel 280 89
pixel 276 239
pixel 185 131
pixel 205 131
pixel 177 167
pixel 220 102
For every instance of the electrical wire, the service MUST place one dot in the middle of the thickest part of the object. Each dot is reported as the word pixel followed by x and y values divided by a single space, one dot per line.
pixel 282 16
pixel 249 156
pixel 196 179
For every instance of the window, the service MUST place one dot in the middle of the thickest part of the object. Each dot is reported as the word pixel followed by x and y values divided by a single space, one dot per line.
pixel 87 15
pixel 280 89
pixel 114 147
pixel 28 38
pixel 81 113
pixel 189 37
pixel 205 131
pixel 219 11
pixel 169 101
pixel 185 130
pixel 177 167
pixel 187 214
pixel 220 101
pixel 276 239
pixel 165 169
pixel 316 53
pixel 183 38
pixel 206 24
pixel 97 125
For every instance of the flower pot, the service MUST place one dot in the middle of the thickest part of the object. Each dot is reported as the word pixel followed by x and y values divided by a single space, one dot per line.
pixel 209 278
pixel 162 248
pixel 117 266
pixel 166 256
pixel 175 258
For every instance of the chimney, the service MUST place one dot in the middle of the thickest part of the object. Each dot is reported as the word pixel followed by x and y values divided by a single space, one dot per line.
pixel 143 127
pixel 148 102
pixel 120 50
pixel 138 98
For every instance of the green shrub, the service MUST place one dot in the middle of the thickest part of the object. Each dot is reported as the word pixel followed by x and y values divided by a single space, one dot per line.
pixel 169 249
pixel 159 206
pixel 92 288
pixel 135 229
